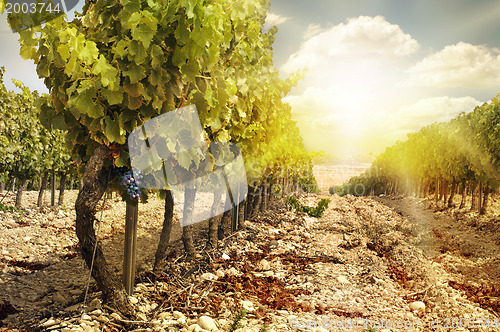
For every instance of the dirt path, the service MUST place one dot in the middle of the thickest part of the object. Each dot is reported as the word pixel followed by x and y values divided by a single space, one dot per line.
pixel 465 244
pixel 463 234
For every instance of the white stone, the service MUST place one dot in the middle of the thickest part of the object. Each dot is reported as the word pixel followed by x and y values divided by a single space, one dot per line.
pixel 133 299
pixel 207 323
pixel 220 273
pixel 141 288
pixel 248 305
pixel 194 328
pixel 178 314
pixel 96 312
pixel 208 276
pixel 114 315
pixel 269 274
pixel 164 315
pixel 417 306
pixel 86 317
pixel 342 280
pixel 102 319
pixel 264 265
pixel 320 329
pixel 49 323
pixel 182 320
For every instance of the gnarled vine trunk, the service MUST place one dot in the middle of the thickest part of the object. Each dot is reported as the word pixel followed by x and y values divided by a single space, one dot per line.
pixel 436 192
pixel 12 184
pixel 474 195
pixel 452 193
pixel 19 195
pixel 464 194
pixel 257 196
pixel 241 214
pixel 484 204
pixel 62 187
pixel 43 186
pixel 94 185
pixel 213 223
pixel 187 231
pixel 165 232
pixel 71 182
pixel 225 224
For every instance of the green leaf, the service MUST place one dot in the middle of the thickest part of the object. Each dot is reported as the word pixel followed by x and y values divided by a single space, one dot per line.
pixel 65 51
pixel 137 51
pixel 84 102
pixel 112 131
pixel 157 57
pixel 113 97
pixel 179 57
pixel 120 48
pixel 184 159
pixel 27 52
pixel 89 53
pixel 123 159
pixel 109 74
pixel 182 33
pixel 223 136
pixel 145 30
pixel 58 122
pixel 134 102
pixel 136 73
pixel 210 97
pixel 133 90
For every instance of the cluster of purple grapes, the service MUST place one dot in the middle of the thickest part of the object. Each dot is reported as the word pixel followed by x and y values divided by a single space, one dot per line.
pixel 131 184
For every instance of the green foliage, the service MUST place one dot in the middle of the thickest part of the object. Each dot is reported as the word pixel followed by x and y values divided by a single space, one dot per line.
pixel 7 208
pixel 26 147
pixel 122 63
pixel 264 328
pixel 236 322
pixel 308 184
pixel 292 202
pixel 361 185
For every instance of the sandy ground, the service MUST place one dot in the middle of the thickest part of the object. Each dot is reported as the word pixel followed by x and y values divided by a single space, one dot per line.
pixel 370 259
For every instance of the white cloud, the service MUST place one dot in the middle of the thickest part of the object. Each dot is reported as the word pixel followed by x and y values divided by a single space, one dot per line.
pixel 359 37
pixel 459 65
pixel 428 110
pixel 312 30
pixel 274 19
pixel 354 70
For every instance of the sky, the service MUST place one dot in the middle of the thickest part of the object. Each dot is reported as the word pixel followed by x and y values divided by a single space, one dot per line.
pixel 379 69
pixel 376 69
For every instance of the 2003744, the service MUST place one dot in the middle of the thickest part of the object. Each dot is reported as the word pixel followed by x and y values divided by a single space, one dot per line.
pixel 30 7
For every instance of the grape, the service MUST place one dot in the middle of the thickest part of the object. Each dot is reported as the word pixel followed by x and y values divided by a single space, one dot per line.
pixel 129 182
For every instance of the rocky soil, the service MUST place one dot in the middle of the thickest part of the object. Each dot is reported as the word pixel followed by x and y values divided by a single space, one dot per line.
pixel 369 264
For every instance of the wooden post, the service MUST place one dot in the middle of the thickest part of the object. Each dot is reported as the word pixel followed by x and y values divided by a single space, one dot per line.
pixel 53 188
pixel 236 209
pixel 130 247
